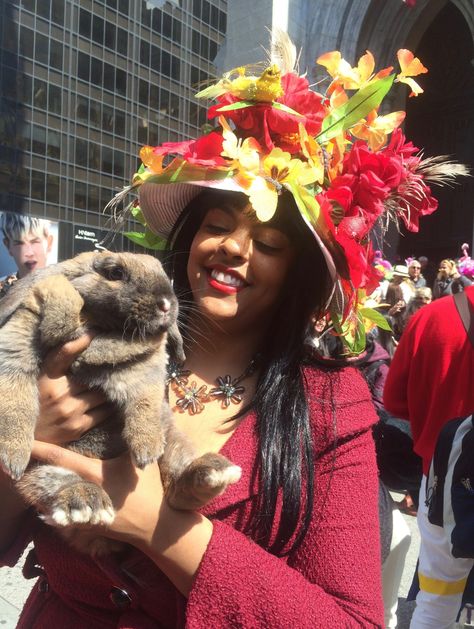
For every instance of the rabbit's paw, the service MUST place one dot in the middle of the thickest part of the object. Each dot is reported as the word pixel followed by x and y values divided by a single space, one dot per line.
pixel 146 450
pixel 80 503
pixel 204 479
pixel 14 459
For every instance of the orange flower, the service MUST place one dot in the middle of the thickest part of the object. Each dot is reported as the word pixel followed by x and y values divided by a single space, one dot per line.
pixel 375 129
pixel 410 66
pixel 347 77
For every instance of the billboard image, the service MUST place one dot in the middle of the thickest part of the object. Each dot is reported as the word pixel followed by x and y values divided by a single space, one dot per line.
pixel 27 243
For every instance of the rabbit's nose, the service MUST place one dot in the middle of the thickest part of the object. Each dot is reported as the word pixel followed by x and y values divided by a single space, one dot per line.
pixel 164 305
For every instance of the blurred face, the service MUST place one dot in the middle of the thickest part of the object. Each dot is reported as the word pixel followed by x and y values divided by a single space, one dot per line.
pixel 30 252
pixel 444 268
pixel 238 267
pixel 414 270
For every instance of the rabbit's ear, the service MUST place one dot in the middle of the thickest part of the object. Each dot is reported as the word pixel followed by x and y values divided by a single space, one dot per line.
pixel 175 344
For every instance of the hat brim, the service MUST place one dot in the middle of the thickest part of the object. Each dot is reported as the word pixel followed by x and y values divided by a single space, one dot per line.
pixel 162 204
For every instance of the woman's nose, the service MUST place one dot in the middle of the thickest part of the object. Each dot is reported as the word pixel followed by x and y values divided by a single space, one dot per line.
pixel 236 244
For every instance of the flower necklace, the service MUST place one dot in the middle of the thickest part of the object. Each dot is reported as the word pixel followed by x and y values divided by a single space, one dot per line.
pixel 192 398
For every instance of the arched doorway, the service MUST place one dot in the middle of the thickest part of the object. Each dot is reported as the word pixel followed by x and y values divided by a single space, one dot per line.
pixel 441 121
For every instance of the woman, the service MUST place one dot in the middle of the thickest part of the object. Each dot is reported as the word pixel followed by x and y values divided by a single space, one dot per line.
pixel 252 265
pixel 249 299
pixel 449 281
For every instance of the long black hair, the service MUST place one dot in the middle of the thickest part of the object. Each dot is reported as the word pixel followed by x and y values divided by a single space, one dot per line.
pixel 280 401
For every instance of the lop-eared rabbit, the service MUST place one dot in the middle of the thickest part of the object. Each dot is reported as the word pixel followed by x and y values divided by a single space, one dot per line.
pixel 128 300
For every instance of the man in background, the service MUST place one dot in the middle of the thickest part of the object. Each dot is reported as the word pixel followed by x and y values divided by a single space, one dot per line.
pixel 416 278
pixel 28 240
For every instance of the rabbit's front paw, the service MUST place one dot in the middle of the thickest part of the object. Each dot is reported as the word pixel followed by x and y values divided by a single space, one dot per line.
pixel 14 459
pixel 145 451
pixel 80 503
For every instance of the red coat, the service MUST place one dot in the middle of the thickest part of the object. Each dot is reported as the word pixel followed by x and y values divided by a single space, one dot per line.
pixel 430 379
pixel 333 579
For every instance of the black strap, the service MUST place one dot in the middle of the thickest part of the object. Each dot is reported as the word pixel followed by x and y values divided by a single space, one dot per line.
pixel 465 310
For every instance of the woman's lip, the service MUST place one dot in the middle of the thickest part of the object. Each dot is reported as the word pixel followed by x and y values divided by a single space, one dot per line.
pixel 226 288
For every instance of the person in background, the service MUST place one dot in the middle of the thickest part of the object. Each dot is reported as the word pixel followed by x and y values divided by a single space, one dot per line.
pixel 416 279
pixel 401 278
pixel 430 382
pixel 428 269
pixel 28 241
pixel 449 281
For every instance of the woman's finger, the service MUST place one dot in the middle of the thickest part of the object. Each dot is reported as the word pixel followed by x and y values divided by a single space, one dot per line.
pixel 58 361
pixel 90 469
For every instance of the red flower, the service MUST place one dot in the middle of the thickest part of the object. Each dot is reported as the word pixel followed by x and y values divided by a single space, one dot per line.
pixel 205 151
pixel 273 127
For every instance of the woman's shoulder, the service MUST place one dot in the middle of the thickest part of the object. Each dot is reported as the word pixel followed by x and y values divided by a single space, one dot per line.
pixel 339 400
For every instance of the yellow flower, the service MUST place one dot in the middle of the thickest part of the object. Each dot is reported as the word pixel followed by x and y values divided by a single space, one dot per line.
pixel 345 75
pixel 245 152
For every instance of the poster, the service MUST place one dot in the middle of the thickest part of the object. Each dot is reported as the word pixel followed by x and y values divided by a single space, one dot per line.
pixel 27 243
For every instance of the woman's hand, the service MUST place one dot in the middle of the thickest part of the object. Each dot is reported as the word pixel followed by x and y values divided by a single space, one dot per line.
pixel 136 494
pixel 67 408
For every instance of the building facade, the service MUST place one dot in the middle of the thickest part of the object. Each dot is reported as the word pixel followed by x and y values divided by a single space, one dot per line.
pixel 84 84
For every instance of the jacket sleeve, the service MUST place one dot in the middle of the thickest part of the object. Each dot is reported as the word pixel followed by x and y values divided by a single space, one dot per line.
pixel 333 579
pixel 395 396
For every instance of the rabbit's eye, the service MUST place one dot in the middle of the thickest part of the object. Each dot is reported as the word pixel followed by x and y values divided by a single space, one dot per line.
pixel 115 273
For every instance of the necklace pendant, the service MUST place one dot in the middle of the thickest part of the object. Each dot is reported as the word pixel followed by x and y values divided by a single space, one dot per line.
pixel 192 398
pixel 177 376
pixel 227 391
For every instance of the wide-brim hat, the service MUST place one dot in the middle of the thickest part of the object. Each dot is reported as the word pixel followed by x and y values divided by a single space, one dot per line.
pixel 401 270
pixel 163 203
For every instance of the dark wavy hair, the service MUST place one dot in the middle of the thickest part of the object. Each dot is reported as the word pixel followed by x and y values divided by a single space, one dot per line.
pixel 280 401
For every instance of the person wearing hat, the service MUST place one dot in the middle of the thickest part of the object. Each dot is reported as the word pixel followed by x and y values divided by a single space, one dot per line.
pixel 257 248
pixel 401 278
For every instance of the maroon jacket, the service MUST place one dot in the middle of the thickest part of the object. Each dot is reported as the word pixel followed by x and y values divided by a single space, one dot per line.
pixel 333 579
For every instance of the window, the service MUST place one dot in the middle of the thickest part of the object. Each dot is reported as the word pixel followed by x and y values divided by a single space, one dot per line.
pixel 41 48
pixel 154 96
pixel 212 50
pixel 122 41
pixel 110 32
pixel 52 188
pixel 27 90
pixel 155 58
pixel 107 119
pixel 82 108
pixel 124 6
pixel 85 23
pixel 197 9
pixel 80 194
pixel 54 99
pixel 81 153
pixel 156 20
pixel 144 53
pixel 166 25
pixel 222 22
pixel 42 9
pixel 95 114
pixel 57 11
pixel 107 159
pixel 165 65
pixel 40 94
pixel 94 156
pixel 214 17
pixel 121 81
pixel 29 5
pixel 83 66
pixel 96 71
pixel 98 30
pixel 206 12
pixel 37 184
pixel 54 144
pixel 119 123
pixel 143 87
pixel 55 54
pixel 176 31
pixel 119 169
pixel 109 77
pixel 196 42
pixel 27 37
pixel 175 67
pixel 93 198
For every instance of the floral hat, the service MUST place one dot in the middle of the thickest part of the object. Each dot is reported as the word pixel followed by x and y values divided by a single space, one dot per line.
pixel 465 263
pixel 348 167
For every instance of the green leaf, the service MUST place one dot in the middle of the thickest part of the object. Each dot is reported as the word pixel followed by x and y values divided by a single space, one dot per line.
pixel 305 201
pixel 353 337
pixel 376 317
pixel 137 214
pixel 287 109
pixel 241 104
pixel 189 172
pixel 147 239
pixel 356 108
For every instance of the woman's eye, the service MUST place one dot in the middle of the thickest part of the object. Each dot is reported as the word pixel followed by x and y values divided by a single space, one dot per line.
pixel 216 229
pixel 266 248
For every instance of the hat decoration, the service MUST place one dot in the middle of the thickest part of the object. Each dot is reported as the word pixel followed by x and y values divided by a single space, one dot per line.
pixel 465 263
pixel 348 167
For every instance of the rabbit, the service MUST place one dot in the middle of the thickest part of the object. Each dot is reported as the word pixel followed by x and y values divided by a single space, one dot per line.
pixel 128 300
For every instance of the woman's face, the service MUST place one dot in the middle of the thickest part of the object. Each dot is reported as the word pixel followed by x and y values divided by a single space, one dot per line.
pixel 237 267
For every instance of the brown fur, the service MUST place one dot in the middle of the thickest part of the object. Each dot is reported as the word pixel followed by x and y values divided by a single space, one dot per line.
pixel 128 300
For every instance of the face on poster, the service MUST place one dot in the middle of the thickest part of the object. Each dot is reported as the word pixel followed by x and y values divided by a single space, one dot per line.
pixel 27 243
